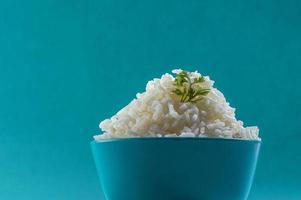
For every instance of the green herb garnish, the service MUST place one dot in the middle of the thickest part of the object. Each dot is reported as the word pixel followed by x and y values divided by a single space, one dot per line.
pixel 189 89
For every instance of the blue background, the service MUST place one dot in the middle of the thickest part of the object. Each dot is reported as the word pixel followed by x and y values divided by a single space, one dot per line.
pixel 66 65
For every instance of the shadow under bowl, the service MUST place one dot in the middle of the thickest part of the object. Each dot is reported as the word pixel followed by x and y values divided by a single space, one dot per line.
pixel 175 168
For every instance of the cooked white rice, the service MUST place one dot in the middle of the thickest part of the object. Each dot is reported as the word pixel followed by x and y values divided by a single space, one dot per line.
pixel 159 113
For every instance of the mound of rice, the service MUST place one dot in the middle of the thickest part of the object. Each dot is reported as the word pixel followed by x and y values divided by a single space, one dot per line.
pixel 158 113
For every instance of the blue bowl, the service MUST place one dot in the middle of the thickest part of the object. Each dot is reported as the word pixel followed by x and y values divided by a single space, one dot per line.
pixel 175 168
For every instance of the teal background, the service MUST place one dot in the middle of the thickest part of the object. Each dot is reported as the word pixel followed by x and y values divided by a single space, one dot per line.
pixel 66 65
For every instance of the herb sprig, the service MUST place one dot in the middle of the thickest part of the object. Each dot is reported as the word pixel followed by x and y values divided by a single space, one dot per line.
pixel 189 89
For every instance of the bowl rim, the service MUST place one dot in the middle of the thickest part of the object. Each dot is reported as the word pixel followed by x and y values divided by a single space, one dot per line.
pixel 177 138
